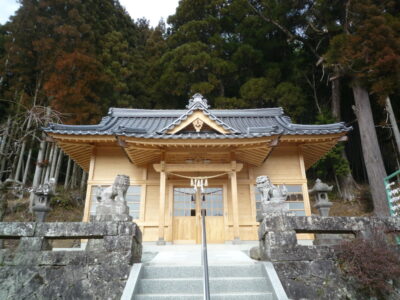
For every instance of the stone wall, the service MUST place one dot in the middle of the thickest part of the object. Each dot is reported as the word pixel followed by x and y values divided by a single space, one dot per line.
pixel 311 272
pixel 33 271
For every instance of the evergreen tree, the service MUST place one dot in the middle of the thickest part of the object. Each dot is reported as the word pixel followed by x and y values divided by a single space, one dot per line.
pixel 83 56
pixel 369 52
pixel 220 49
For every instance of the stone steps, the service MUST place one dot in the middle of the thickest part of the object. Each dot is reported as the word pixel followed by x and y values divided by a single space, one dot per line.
pixel 236 282
pixel 253 270
pixel 230 296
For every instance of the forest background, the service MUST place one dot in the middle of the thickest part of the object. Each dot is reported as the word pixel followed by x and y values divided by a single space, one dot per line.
pixel 323 61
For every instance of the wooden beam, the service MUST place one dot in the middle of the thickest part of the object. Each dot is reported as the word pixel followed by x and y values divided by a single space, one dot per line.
pixel 142 161
pixel 197 167
pixel 311 137
pixel 197 142
pixel 83 138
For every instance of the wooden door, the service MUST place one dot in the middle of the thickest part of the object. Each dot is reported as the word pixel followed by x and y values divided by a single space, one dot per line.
pixel 213 203
pixel 184 221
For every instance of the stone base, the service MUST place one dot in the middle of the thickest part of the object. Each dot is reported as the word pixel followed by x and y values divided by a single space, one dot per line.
pixel 40 212
pixel 111 218
pixel 273 208
pixel 112 208
pixel 236 241
pixel 161 242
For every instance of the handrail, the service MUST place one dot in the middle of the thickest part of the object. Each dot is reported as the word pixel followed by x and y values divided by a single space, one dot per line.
pixel 204 258
pixel 392 195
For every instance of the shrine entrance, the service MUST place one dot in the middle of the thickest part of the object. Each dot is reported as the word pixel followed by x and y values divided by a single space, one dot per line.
pixel 187 206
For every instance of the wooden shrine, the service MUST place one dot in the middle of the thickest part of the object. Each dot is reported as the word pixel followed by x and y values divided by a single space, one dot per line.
pixel 164 152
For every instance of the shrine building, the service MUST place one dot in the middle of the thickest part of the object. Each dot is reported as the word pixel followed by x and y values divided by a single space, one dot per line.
pixel 166 152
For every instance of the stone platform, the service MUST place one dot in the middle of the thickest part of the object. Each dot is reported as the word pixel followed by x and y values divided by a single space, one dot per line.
pixel 34 271
pixel 218 254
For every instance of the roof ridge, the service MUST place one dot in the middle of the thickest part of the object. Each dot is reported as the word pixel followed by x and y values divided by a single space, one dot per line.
pixel 137 112
pixel 239 123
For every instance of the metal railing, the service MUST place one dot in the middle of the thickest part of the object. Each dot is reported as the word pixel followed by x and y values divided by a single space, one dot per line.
pixel 392 185
pixel 204 258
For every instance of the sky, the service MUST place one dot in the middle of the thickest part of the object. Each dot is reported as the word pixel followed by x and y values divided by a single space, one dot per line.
pixel 152 10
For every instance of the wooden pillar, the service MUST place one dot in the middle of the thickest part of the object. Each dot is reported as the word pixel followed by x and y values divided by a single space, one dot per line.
pixel 161 216
pixel 170 193
pixel 252 195
pixel 143 198
pixel 306 198
pixel 86 210
pixel 235 204
pixel 307 206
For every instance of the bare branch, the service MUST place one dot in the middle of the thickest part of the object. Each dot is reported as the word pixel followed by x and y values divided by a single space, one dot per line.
pixel 313 87
pixel 290 35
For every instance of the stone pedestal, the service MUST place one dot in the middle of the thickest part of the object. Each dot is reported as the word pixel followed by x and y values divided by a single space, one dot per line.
pixel 40 212
pixel 112 211
pixel 161 242
pixel 236 241
pixel 273 208
pixel 111 218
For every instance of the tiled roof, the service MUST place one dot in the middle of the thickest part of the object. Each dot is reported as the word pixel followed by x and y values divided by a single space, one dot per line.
pixel 241 123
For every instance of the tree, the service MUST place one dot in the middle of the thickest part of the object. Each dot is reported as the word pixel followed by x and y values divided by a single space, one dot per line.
pixel 369 51
pixel 220 49
pixel 322 25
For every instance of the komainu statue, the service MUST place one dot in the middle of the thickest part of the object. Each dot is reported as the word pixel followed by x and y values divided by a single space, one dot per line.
pixel 269 191
pixel 111 203
pixel 272 197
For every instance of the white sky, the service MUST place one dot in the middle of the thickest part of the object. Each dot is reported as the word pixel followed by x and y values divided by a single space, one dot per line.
pixel 152 10
pixel 7 8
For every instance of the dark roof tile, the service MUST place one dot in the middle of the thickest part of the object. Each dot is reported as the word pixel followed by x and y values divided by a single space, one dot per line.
pixel 242 123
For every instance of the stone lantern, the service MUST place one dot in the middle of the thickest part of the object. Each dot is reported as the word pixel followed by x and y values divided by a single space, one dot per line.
pixel 320 190
pixel 43 194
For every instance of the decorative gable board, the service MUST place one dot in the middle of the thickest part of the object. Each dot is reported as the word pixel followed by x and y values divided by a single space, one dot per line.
pixel 200 122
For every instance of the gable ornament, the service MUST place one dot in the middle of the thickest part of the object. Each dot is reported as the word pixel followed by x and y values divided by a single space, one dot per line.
pixel 198 124
pixel 197 99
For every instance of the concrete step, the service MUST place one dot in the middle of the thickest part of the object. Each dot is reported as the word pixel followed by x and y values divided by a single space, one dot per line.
pixel 195 285
pixel 227 296
pixel 254 270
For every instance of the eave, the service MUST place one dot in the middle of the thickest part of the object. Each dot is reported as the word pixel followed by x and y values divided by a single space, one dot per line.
pixel 314 147
pixel 143 151
pixel 80 147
